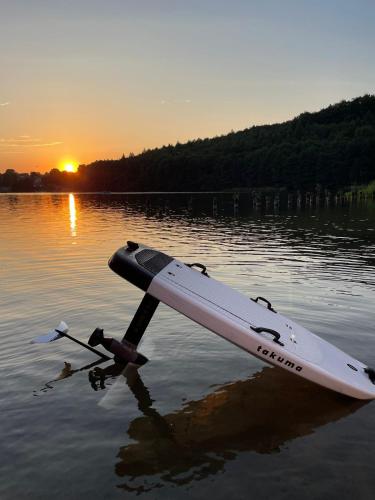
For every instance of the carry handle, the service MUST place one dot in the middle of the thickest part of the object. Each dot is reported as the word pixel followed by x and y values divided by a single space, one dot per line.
pixel 260 329
pixel 269 305
pixel 200 266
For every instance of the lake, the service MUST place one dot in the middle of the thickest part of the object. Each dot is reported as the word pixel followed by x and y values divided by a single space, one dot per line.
pixel 202 418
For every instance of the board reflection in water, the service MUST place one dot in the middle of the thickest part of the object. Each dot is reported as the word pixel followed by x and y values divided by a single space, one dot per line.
pixel 260 414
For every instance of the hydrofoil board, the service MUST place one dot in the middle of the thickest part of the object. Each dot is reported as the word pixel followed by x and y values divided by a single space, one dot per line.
pixel 252 325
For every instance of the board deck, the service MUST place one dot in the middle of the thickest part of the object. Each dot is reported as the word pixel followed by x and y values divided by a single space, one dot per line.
pixel 234 316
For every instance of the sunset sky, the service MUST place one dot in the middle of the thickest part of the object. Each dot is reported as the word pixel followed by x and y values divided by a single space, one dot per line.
pixel 93 79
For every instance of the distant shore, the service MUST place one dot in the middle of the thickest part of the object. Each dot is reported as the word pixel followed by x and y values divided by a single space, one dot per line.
pixel 331 150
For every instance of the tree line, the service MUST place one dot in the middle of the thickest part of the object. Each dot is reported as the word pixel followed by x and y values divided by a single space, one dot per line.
pixel 334 148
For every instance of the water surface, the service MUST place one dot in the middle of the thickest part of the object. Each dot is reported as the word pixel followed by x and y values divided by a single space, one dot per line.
pixel 203 418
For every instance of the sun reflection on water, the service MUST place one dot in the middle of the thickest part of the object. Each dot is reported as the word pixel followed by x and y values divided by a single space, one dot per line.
pixel 72 214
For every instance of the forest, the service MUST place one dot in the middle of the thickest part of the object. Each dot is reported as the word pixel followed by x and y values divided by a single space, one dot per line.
pixel 332 148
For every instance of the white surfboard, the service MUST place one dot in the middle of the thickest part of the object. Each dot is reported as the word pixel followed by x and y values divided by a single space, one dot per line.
pixel 252 326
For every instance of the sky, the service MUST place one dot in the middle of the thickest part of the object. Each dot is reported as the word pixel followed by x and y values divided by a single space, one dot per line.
pixel 94 79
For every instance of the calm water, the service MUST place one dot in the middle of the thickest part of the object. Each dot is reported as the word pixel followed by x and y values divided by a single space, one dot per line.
pixel 204 418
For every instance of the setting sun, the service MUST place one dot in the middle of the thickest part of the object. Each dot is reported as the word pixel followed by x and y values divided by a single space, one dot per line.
pixel 69 166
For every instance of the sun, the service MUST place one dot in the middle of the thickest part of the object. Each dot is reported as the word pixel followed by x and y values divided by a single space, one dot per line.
pixel 69 166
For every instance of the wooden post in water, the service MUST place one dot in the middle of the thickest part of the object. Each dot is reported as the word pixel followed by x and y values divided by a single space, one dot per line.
pixel 299 199
pixel 190 204
pixel 214 206
pixel 236 203
pixel 276 201
pixel 307 198
pixel 257 202
pixel 327 195
pixel 290 200
pixel 319 195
